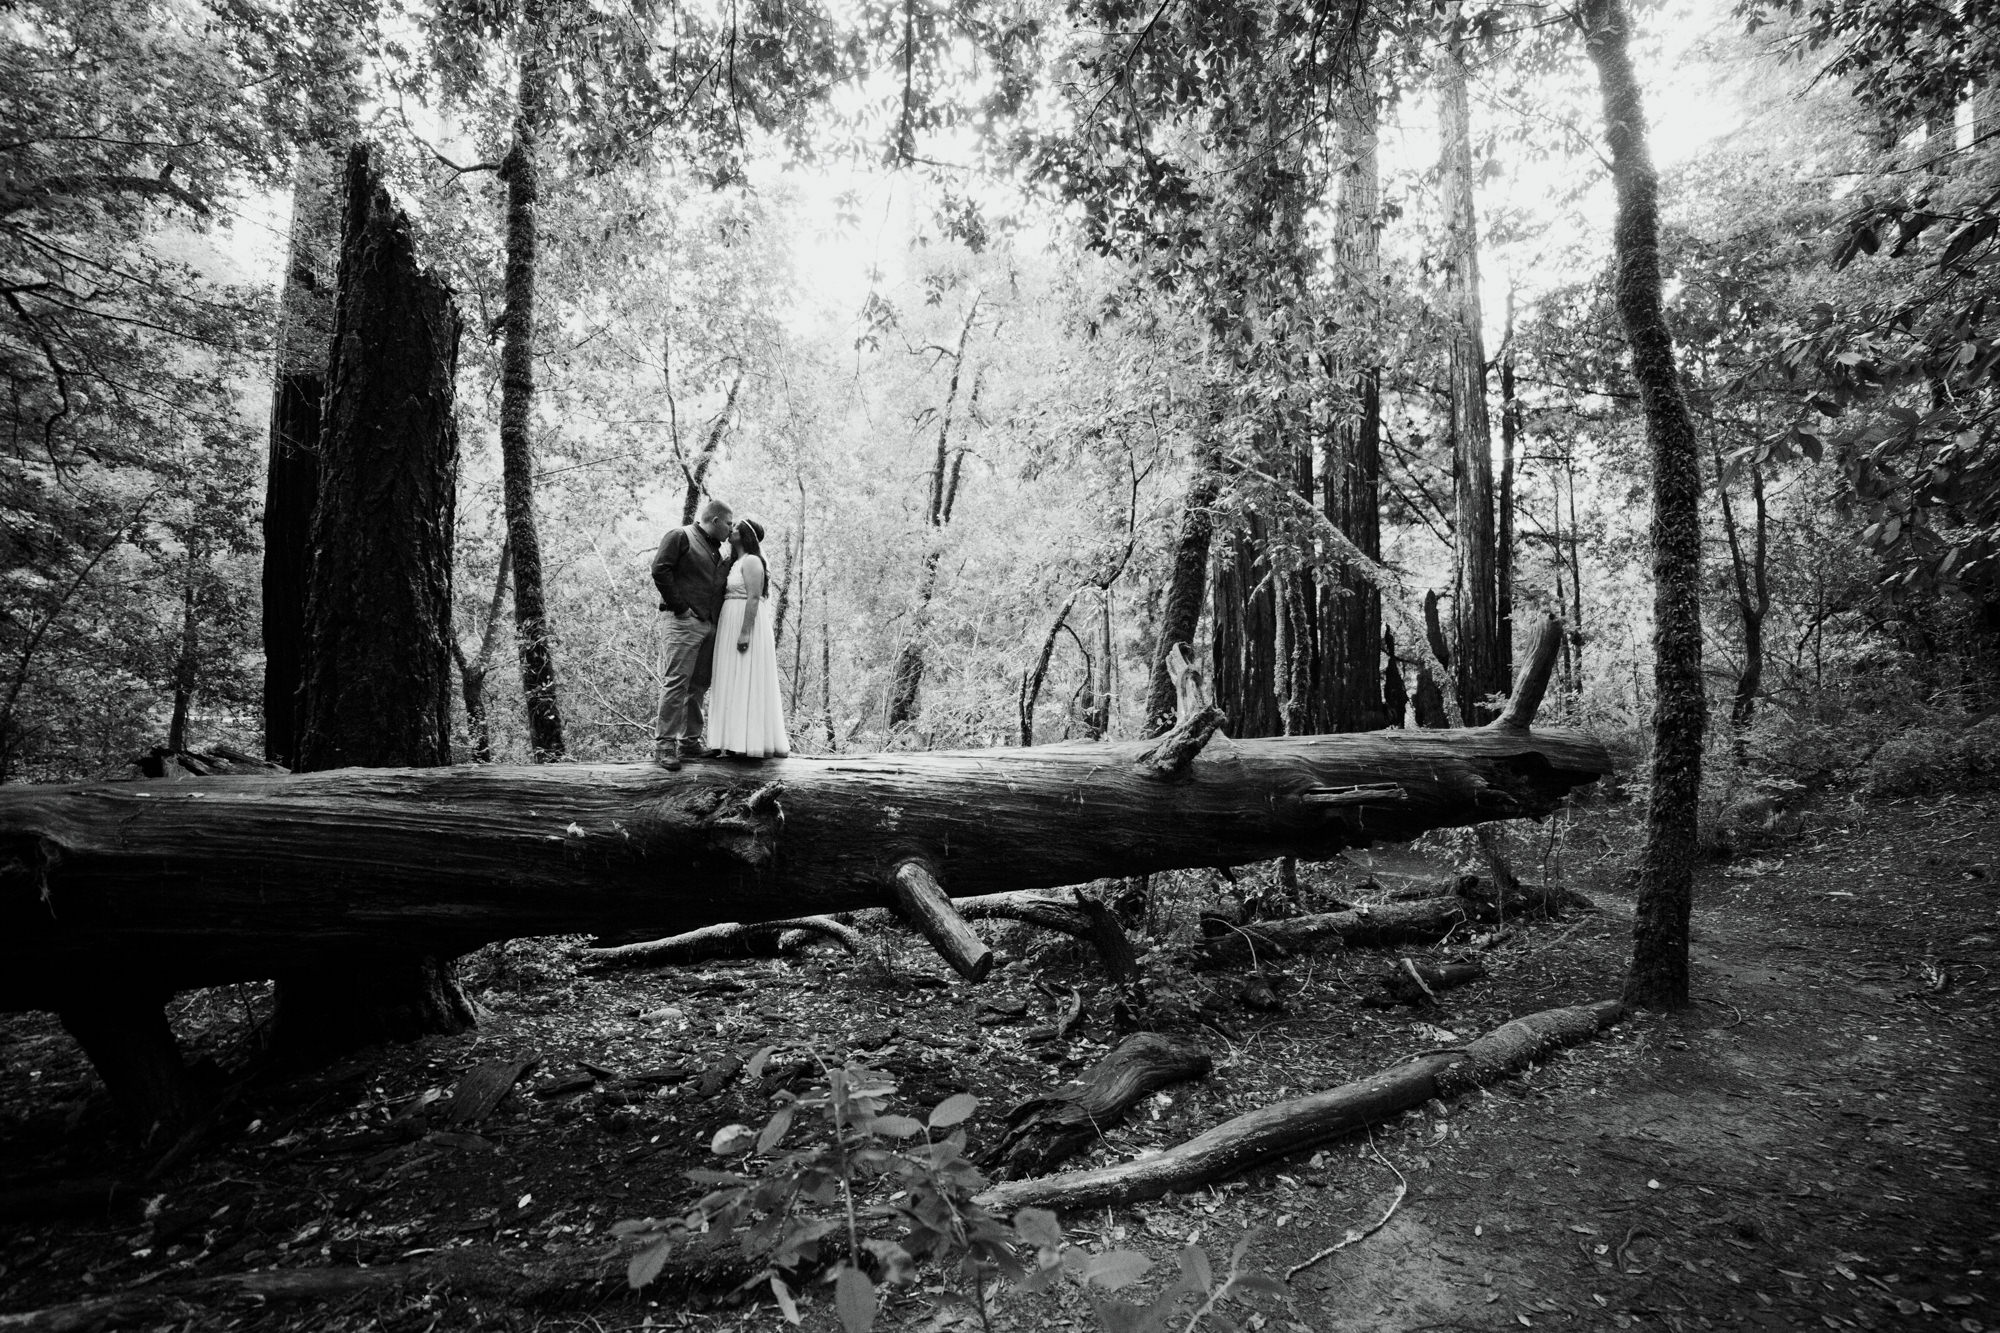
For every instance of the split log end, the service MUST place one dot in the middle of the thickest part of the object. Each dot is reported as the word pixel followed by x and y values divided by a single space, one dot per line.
pixel 928 907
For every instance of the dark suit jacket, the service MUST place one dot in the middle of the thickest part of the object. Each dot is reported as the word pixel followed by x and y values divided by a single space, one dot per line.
pixel 690 573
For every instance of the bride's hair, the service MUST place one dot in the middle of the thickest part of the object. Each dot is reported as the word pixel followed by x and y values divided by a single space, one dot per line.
pixel 749 537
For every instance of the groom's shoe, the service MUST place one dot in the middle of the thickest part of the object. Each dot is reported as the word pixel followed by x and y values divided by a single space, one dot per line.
pixel 666 755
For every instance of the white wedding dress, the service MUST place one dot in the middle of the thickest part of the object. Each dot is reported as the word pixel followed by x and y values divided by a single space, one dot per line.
pixel 746 714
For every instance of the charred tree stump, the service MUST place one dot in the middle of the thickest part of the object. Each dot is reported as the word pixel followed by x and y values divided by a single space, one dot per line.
pixel 377 663
pixel 1045 1131
pixel 1295 1126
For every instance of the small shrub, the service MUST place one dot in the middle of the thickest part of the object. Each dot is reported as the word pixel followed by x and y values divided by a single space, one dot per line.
pixel 1945 757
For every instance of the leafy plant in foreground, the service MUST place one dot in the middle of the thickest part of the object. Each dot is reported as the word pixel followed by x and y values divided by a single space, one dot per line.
pixel 810 1209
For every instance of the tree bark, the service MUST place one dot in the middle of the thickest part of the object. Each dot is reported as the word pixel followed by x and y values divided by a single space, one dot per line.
pixel 1475 584
pixel 532 637
pixel 1180 612
pixel 377 690
pixel 472 672
pixel 195 884
pixel 1659 974
pixel 1352 605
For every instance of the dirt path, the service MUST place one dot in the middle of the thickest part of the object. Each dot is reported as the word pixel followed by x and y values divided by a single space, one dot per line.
pixel 1814 1146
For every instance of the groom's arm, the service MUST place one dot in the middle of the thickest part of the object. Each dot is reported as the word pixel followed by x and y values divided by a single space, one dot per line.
pixel 665 562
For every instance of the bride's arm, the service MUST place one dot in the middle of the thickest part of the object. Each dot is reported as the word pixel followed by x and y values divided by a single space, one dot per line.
pixel 753 594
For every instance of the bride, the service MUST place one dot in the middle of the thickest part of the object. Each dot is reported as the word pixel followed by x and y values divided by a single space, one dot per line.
pixel 746 717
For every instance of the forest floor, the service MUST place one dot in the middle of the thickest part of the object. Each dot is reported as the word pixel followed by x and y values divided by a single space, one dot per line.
pixel 1812 1145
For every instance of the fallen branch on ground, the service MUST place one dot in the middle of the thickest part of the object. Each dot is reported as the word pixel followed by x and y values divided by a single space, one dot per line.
pixel 1272 1132
pixel 1354 1237
pixel 1043 1131
pixel 729 939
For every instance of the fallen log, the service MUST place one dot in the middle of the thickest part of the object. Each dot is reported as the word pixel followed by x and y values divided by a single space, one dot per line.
pixel 1406 981
pixel 1272 1132
pixel 729 939
pixel 1043 1131
pixel 1420 920
pixel 174 1300
pixel 162 887
pixel 1083 919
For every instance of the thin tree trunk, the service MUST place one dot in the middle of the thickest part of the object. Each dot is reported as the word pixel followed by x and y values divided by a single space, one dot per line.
pixel 472 673
pixel 1659 974
pixel 533 640
pixel 184 660
pixel 907 680
pixel 697 471
pixel 1503 553
pixel 1475 587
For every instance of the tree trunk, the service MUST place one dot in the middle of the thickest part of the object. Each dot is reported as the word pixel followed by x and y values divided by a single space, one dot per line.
pixel 1750 577
pixel 1429 700
pixel 195 884
pixel 378 686
pixel 472 672
pixel 1180 612
pixel 184 660
pixel 1503 548
pixel 1243 643
pixel 1659 975
pixel 532 637
pixel 1351 609
pixel 291 488
pixel 1475 585
pixel 377 690
pixel 907 679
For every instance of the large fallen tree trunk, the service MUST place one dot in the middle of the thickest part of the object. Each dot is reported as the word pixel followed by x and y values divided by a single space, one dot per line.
pixel 158 887
pixel 1290 1127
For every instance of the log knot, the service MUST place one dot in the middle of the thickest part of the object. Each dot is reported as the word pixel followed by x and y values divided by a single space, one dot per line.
pixel 743 828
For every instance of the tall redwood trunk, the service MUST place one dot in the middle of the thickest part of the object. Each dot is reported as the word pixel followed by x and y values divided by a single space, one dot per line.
pixel 377 690
pixel 1659 974
pixel 1475 583
pixel 1352 471
pixel 532 637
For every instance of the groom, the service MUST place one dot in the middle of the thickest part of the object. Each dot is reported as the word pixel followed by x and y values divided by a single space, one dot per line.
pixel 690 572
